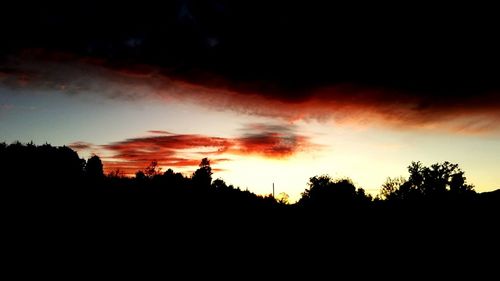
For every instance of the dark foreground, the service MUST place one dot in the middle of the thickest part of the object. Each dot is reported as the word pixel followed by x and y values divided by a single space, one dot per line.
pixel 61 213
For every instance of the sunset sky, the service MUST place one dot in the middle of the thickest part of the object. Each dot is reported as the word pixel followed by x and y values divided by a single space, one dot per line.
pixel 270 93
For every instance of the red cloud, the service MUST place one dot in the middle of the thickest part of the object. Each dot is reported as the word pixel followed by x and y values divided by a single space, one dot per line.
pixel 185 151
pixel 271 140
pixel 271 145
pixel 135 154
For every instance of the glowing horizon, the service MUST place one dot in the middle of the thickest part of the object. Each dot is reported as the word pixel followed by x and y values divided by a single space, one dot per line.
pixel 247 150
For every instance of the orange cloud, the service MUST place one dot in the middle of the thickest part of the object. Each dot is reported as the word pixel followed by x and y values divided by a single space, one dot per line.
pixel 273 141
pixel 168 150
pixel 185 151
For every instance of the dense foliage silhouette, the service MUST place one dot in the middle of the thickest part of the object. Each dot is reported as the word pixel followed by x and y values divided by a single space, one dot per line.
pixel 94 168
pixel 28 168
pixel 54 182
pixel 439 182
pixel 52 197
pixel 324 192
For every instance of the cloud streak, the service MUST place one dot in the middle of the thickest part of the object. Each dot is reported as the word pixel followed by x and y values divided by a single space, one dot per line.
pixel 176 151
pixel 81 145
pixel 184 151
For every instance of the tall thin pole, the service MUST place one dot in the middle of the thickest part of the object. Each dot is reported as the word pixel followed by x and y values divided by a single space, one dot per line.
pixel 273 189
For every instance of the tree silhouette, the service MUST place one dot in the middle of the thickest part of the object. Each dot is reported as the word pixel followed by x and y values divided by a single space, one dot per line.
pixel 117 173
pixel 391 188
pixel 94 168
pixel 203 176
pixel 324 192
pixel 219 185
pixel 152 170
pixel 140 176
pixel 173 179
pixel 437 182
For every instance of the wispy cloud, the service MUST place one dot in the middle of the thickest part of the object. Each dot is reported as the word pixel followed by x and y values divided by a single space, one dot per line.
pixel 81 145
pixel 186 150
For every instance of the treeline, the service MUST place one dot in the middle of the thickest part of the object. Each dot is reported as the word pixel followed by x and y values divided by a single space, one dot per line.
pixel 48 173
pixel 50 196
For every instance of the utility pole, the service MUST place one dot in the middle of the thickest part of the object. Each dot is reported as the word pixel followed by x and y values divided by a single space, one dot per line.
pixel 273 190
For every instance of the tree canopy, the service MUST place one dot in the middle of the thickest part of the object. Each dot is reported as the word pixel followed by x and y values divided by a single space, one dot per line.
pixel 325 192
pixel 437 182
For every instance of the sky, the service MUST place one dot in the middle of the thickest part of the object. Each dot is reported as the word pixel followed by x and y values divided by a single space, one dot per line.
pixel 269 92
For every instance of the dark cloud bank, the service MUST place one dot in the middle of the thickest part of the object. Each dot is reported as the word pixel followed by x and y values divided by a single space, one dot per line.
pixel 407 65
